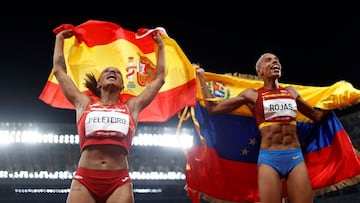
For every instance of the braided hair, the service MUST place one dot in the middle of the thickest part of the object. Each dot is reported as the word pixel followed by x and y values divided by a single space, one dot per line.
pixel 91 83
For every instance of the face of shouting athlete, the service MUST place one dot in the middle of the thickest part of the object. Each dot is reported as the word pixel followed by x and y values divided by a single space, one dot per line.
pixel 111 79
pixel 269 66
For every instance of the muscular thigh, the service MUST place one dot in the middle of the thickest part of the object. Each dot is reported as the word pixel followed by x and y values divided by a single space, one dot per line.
pixel 269 183
pixel 299 185
pixel 79 194
pixel 123 194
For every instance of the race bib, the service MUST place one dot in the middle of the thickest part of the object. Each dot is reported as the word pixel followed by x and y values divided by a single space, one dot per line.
pixel 110 123
pixel 282 107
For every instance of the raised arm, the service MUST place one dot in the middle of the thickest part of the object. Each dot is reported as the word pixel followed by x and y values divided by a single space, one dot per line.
pixel 137 104
pixel 247 97
pixel 71 92
pixel 316 115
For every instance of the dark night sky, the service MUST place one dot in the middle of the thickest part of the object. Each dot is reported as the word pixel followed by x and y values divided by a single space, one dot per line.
pixel 316 46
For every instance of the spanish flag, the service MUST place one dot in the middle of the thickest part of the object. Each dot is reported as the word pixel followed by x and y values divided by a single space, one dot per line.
pixel 100 44
pixel 222 163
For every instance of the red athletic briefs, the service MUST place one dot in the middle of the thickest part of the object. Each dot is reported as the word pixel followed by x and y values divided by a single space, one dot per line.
pixel 102 183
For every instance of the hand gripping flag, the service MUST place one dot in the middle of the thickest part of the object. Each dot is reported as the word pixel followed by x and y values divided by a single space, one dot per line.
pixel 100 44
pixel 221 164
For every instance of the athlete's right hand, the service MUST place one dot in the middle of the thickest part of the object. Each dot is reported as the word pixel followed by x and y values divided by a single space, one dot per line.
pixel 65 33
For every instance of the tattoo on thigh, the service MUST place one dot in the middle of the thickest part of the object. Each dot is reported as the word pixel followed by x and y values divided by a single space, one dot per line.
pixel 76 189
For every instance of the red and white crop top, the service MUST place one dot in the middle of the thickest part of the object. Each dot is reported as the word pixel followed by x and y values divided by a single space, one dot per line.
pixel 106 124
pixel 274 107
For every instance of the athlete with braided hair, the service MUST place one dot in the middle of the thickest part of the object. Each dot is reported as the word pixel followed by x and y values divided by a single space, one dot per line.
pixel 105 127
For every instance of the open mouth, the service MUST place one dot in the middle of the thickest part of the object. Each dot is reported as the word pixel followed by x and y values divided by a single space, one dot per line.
pixel 275 67
pixel 113 77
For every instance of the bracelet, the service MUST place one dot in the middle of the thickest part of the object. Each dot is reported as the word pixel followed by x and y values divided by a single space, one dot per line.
pixel 202 87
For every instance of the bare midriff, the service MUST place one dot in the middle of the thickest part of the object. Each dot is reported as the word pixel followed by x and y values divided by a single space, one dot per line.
pixel 104 157
pixel 279 137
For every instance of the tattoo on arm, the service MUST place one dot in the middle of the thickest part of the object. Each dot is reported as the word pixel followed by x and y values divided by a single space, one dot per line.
pixel 61 62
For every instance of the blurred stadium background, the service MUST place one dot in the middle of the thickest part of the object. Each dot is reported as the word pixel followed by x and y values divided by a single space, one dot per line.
pixel 37 161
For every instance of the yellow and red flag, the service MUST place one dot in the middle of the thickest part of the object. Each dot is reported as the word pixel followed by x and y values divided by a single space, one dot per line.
pixel 100 44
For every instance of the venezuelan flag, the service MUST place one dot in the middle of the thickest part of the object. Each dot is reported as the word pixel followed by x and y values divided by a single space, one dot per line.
pixel 100 44
pixel 221 165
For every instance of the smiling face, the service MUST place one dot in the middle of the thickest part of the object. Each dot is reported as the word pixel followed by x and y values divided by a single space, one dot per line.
pixel 111 77
pixel 268 66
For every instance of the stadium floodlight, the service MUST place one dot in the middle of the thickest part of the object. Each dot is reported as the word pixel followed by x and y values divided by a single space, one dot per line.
pixel 142 139
pixel 63 175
